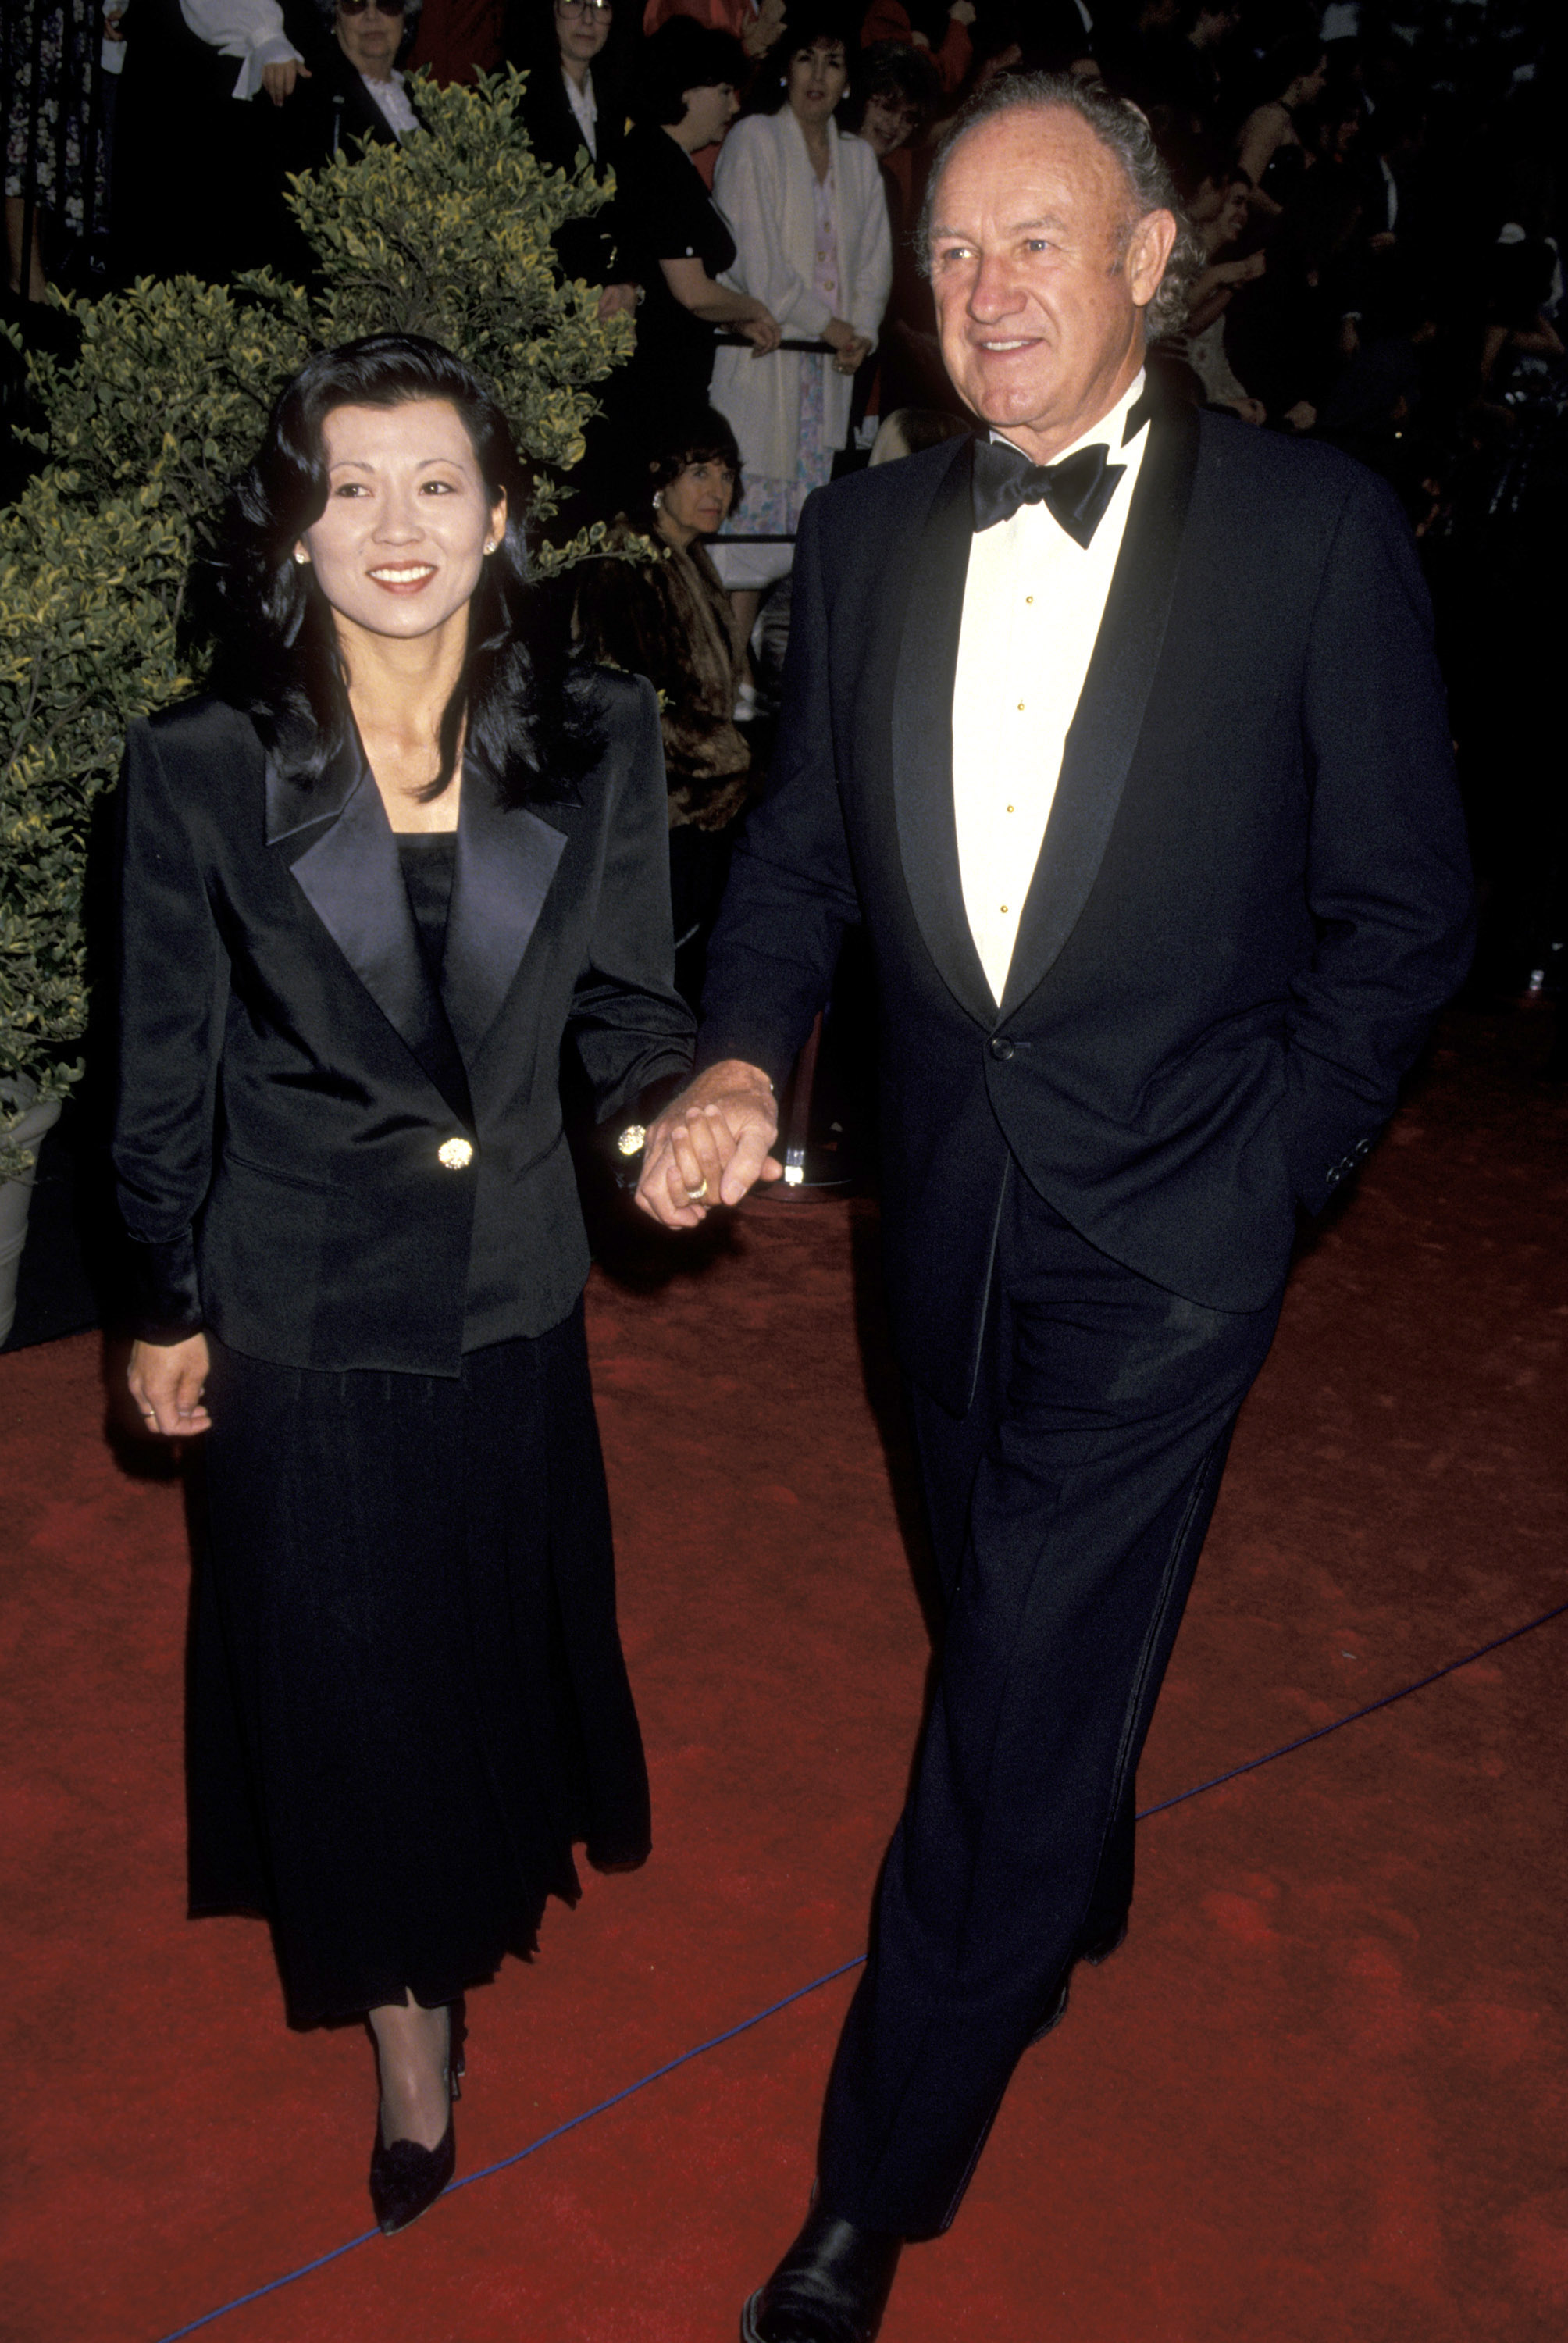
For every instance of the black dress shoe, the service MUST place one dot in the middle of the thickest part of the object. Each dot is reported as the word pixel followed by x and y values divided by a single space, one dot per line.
pixel 832 2287
pixel 404 2178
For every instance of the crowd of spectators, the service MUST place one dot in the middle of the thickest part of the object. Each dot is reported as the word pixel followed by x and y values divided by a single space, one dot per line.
pixel 1373 183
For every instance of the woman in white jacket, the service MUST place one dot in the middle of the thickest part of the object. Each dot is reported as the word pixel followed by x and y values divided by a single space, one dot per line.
pixel 805 206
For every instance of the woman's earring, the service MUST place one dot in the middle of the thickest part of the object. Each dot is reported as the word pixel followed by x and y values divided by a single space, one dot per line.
pixel 300 556
pixel 489 549
pixel 659 500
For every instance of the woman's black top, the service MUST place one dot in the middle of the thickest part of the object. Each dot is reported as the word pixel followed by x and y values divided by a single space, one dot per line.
pixel 429 859
pixel 585 247
pixel 663 212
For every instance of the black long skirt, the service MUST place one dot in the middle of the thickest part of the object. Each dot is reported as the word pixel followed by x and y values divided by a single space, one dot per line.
pixel 406 1698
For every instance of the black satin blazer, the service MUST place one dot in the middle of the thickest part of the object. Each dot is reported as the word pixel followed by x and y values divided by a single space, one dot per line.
pixel 314 1142
pixel 1252 895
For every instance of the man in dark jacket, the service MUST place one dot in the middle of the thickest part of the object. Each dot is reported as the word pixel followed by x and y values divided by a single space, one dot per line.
pixel 1121 733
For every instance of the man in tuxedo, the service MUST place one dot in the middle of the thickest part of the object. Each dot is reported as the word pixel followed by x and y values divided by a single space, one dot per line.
pixel 1120 731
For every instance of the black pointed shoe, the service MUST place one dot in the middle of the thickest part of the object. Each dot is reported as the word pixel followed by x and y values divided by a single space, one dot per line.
pixel 832 2287
pixel 406 2180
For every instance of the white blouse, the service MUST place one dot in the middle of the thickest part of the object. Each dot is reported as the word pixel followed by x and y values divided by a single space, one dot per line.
pixel 250 30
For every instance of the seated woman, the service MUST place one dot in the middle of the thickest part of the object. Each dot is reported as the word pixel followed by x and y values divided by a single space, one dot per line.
pixel 403 852
pixel 810 224
pixel 672 621
pixel 1217 205
pixel 672 240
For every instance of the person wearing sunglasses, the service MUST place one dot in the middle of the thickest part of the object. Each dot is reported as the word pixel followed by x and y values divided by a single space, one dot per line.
pixel 355 91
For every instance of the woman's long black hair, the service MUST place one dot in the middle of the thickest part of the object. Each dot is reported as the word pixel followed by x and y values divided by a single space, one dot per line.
pixel 518 706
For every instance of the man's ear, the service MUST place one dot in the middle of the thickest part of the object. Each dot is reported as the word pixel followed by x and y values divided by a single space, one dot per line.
pixel 1148 249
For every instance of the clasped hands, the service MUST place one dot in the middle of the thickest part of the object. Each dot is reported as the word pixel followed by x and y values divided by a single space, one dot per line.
pixel 709 1146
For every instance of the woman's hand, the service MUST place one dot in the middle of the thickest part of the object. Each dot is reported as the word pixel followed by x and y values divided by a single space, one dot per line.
pixel 614 301
pixel 166 1379
pixel 763 331
pixel 278 80
pixel 710 1145
pixel 849 348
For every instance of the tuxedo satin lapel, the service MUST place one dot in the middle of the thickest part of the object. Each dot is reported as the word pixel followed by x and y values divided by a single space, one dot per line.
pixel 923 739
pixel 506 858
pixel 1110 708
pixel 350 873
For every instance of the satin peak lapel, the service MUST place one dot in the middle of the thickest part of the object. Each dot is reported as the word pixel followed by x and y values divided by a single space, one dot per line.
pixel 506 858
pixel 923 739
pixel 1110 709
pixel 350 873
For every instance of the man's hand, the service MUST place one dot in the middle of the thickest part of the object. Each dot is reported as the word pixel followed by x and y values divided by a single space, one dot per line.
pixel 709 1146
pixel 615 300
pixel 278 80
pixel 167 1381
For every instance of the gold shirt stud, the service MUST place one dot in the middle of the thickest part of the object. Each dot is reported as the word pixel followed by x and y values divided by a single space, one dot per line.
pixel 457 1154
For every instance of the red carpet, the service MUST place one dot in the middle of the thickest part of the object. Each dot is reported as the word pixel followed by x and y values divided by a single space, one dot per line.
pixel 1319 2096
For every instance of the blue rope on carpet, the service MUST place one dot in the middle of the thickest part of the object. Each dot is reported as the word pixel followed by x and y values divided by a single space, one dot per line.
pixel 715 2042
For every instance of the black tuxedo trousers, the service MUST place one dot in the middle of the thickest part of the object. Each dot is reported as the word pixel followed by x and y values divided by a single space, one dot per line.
pixel 1067 1507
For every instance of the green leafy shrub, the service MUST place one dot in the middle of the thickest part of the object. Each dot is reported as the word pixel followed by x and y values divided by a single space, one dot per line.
pixel 448 235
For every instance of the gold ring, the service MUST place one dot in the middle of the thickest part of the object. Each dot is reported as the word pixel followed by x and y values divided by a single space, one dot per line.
pixel 696 1195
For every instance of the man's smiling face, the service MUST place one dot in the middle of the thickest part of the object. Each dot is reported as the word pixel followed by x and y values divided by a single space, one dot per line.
pixel 1040 289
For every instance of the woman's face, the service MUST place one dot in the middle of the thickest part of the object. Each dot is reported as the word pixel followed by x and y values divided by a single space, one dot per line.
pixel 888 121
pixel 369 37
pixel 697 501
pixel 710 111
pixel 1230 212
pixel 1308 89
pixel 399 546
pixel 815 80
pixel 582 28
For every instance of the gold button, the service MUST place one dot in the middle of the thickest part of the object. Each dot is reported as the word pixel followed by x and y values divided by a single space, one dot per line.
pixel 1004 907
pixel 457 1154
pixel 1029 598
pixel 1021 708
pixel 1012 809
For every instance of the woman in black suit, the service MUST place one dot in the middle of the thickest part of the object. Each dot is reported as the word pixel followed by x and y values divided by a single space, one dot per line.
pixel 354 90
pixel 574 104
pixel 370 886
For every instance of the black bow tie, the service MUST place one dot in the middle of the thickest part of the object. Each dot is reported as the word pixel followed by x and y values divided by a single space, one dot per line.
pixel 1077 490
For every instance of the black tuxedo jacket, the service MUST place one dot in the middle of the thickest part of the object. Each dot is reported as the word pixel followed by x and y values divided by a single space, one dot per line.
pixel 291 1072
pixel 1251 898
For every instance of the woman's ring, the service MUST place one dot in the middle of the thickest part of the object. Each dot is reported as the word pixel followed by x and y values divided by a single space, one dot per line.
pixel 696 1195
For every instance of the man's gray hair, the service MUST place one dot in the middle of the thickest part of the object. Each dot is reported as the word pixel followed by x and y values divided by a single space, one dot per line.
pixel 1119 126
